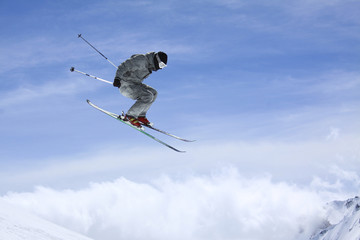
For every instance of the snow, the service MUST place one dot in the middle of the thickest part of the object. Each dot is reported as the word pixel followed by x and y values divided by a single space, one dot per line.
pixel 343 221
pixel 17 224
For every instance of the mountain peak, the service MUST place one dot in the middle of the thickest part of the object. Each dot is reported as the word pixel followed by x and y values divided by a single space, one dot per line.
pixel 342 221
pixel 17 224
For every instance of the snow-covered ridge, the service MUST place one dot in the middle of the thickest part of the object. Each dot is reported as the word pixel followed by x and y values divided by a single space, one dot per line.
pixel 17 224
pixel 343 221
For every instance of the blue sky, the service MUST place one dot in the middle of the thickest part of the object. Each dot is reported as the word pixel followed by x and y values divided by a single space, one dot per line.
pixel 266 88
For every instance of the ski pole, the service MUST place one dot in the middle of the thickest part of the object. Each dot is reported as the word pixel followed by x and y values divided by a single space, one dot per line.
pixel 79 36
pixel 72 69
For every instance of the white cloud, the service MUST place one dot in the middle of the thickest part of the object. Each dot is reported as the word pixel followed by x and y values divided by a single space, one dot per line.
pixel 296 161
pixel 28 93
pixel 348 176
pixel 334 134
pixel 36 51
pixel 66 84
pixel 219 206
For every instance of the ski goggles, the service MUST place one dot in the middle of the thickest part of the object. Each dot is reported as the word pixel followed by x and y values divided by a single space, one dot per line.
pixel 161 63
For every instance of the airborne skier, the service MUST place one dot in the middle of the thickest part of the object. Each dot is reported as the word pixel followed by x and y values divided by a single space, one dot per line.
pixel 129 79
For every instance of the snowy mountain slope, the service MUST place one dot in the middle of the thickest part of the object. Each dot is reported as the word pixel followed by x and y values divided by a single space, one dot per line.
pixel 16 224
pixel 343 221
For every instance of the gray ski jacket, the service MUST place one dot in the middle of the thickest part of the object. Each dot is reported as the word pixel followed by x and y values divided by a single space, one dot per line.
pixel 136 68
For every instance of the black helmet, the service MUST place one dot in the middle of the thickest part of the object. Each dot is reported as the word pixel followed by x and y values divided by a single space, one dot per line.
pixel 160 60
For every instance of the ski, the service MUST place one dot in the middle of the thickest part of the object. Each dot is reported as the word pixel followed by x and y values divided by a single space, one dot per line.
pixel 168 134
pixel 119 117
pixel 162 131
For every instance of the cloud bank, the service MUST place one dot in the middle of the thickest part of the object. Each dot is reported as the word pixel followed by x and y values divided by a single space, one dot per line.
pixel 224 205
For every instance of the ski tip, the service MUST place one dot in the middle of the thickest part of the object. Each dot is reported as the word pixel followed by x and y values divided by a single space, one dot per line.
pixel 180 151
pixel 175 149
pixel 187 140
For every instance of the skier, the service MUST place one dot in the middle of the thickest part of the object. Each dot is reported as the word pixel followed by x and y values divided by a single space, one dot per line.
pixel 129 77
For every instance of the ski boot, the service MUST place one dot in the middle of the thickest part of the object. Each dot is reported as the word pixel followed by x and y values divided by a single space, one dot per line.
pixel 144 121
pixel 133 121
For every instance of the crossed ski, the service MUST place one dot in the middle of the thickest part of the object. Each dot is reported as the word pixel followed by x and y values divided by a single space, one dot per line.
pixel 120 118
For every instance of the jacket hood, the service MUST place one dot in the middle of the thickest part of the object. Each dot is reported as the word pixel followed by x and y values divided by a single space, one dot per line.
pixel 150 57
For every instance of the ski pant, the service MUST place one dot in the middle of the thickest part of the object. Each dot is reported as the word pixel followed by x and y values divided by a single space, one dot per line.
pixel 142 93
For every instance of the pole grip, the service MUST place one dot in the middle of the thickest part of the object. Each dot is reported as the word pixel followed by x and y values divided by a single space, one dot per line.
pixel 72 69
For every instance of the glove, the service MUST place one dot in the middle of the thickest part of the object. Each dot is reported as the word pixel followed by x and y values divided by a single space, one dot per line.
pixel 116 82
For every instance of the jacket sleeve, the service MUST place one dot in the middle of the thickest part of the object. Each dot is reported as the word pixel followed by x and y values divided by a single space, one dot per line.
pixel 121 71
